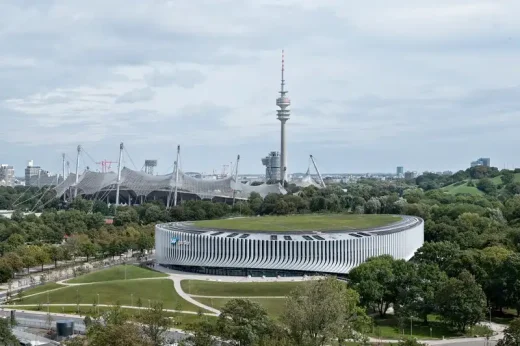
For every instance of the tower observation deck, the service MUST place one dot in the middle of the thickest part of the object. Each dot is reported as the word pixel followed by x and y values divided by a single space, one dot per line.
pixel 283 114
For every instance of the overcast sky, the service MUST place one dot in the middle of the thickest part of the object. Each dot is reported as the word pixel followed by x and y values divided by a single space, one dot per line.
pixel 430 85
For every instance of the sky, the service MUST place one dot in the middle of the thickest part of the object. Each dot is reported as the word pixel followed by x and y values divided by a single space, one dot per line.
pixel 375 84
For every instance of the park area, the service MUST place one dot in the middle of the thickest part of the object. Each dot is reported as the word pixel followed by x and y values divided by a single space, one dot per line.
pixel 295 223
pixel 99 291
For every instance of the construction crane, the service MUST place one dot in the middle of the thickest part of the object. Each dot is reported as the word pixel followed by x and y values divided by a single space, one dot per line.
pixel 105 165
pixel 318 171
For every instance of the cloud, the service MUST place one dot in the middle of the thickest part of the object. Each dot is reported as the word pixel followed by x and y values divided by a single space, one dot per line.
pixel 372 84
pixel 182 78
pixel 136 95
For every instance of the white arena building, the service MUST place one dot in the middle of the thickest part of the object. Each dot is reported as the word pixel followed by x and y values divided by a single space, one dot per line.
pixel 183 246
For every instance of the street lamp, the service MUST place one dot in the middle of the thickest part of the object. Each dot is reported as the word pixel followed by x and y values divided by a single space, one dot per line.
pixel 149 305
pixel 98 303
pixel 132 299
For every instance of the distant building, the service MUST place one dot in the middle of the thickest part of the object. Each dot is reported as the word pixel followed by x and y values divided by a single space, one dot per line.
pixel 410 175
pixel 400 171
pixel 272 163
pixel 35 176
pixel 483 161
pixel 6 175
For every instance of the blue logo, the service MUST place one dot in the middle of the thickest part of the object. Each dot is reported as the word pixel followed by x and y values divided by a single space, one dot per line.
pixel 174 241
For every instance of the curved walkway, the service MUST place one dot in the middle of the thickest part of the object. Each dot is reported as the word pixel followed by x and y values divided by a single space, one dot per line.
pixel 187 297
pixel 237 297
pixel 65 283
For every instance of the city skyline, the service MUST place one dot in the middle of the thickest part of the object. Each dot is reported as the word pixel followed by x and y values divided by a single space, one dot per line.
pixel 374 85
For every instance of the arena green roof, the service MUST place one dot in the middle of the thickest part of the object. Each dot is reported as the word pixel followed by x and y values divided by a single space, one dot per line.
pixel 303 223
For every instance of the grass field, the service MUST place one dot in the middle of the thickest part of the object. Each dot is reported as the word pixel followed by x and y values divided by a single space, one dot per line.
pixel 117 273
pixel 238 289
pixel 388 328
pixel 181 320
pixel 498 180
pixel 274 306
pixel 122 292
pixel 42 288
pixel 462 189
pixel 311 222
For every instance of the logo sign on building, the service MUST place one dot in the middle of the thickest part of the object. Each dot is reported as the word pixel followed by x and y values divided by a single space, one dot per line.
pixel 177 241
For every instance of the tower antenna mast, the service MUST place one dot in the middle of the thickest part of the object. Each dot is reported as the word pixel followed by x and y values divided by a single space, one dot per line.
pixel 236 180
pixel 118 184
pixel 77 169
pixel 63 164
pixel 322 183
pixel 283 114
pixel 176 176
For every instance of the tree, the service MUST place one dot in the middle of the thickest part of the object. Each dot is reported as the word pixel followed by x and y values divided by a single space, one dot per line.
pixel 113 328
pixel 201 333
pixel 28 261
pixel 88 249
pixel 6 335
pixel 511 334
pixel 155 323
pixel 321 311
pixel 461 301
pixel 244 322
pixel 441 253
pixel 510 272
pixel 430 281
pixel 56 254
pixel 486 185
pixel 507 177
pixel 100 207
pixel 145 242
pixel 6 272
pixel 373 281
pixel 373 206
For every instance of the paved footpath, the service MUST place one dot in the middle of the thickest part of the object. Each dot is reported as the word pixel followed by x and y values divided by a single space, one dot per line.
pixel 187 297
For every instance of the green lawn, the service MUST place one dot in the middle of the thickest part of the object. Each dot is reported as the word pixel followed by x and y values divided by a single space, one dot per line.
pixel 274 306
pixel 42 288
pixel 124 292
pixel 388 328
pixel 462 189
pixel 498 180
pixel 316 222
pixel 238 289
pixel 117 273
pixel 181 320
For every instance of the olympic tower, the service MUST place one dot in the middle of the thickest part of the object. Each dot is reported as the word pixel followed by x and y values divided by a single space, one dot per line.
pixel 283 115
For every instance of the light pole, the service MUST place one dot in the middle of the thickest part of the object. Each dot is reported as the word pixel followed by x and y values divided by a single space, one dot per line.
pixel 125 269
pixel 132 298
pixel 98 303
pixel 411 326
pixel 149 305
